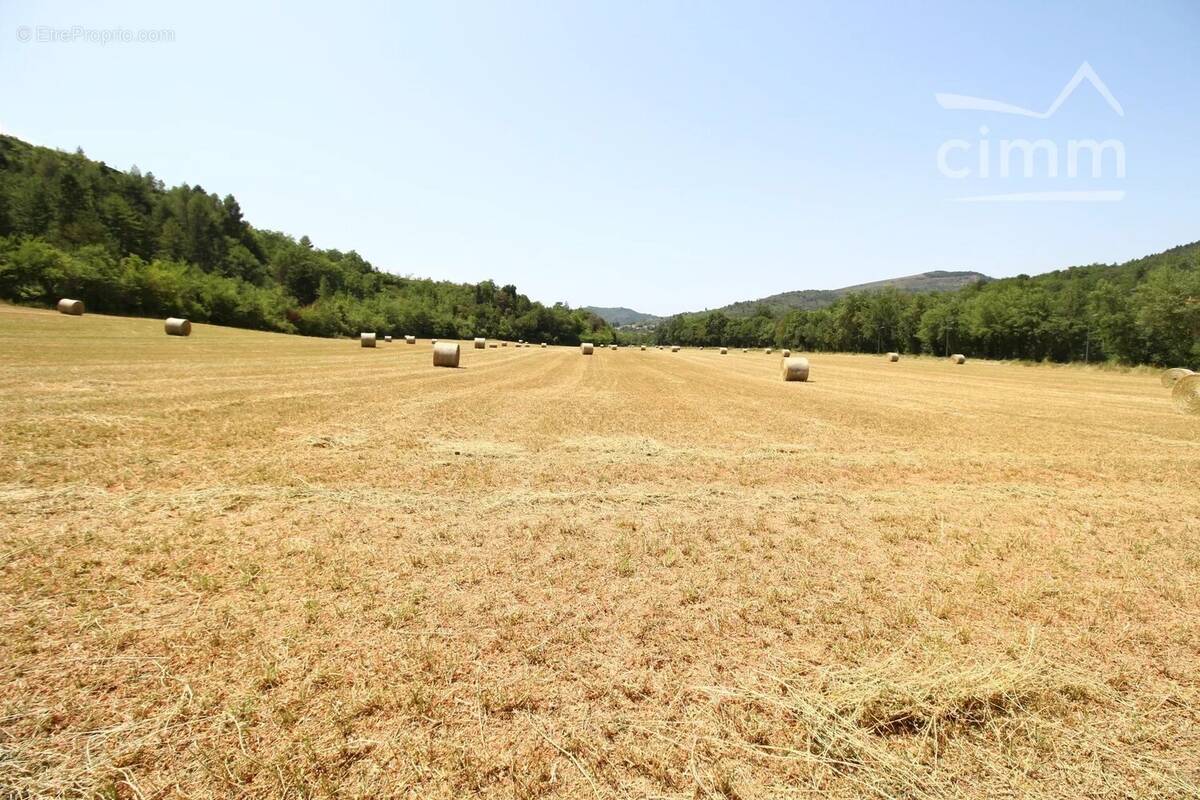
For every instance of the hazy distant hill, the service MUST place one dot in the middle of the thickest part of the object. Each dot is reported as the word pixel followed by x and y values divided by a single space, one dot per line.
pixel 806 299
pixel 812 299
pixel 623 316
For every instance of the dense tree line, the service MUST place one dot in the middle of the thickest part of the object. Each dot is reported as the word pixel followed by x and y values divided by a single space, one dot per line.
pixel 125 243
pixel 1146 311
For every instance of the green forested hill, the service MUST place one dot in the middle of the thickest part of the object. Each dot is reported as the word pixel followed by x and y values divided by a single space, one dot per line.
pixel 125 243
pixel 812 299
pixel 1145 311
pixel 623 316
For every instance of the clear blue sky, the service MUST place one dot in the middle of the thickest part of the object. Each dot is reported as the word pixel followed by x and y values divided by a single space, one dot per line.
pixel 664 156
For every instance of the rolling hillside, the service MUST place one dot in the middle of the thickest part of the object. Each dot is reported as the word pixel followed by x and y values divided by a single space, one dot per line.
pixel 805 299
pixel 1143 311
pixel 812 299
pixel 125 243
pixel 621 316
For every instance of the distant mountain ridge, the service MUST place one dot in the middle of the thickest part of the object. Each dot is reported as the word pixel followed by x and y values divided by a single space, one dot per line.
pixel 1143 311
pixel 621 316
pixel 807 299
pixel 812 299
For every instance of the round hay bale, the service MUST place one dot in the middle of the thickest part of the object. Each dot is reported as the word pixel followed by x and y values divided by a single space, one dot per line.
pixel 407 339
pixel 175 326
pixel 367 339
pixel 445 354
pixel 586 348
pixel 643 347
pixel 893 357
pixel 1186 394
pixel 543 344
pixel 787 353
pixel 795 369
pixel 1173 375
pixel 768 351
pixel 674 348
pixel 745 349
pixel 70 307
pixel 493 346
pixel 480 342
pixel 958 358
pixel 433 341
pixel 724 350
pixel 387 338
pixel 504 344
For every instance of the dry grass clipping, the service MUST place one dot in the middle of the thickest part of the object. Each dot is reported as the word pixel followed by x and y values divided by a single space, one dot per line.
pixel 899 730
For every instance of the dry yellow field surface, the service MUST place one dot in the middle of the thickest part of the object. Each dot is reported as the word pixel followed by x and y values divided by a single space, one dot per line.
pixel 251 565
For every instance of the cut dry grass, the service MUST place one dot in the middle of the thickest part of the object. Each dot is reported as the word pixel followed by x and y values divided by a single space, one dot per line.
pixel 224 574
pixel 892 730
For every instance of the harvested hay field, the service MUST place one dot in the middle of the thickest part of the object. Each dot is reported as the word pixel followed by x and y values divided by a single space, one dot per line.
pixel 242 564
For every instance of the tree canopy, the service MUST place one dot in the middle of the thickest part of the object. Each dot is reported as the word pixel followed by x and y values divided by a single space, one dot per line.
pixel 126 244
pixel 1146 311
